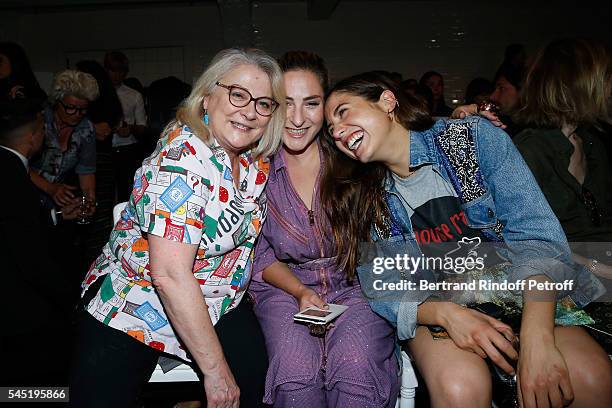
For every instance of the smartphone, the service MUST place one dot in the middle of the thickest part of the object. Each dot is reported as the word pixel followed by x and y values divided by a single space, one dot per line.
pixel 320 316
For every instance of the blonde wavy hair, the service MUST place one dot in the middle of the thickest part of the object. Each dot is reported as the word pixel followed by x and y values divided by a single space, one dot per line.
pixel 75 83
pixel 568 83
pixel 191 111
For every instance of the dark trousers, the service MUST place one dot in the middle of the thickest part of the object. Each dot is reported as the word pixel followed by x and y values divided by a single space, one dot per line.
pixel 110 369
pixel 126 160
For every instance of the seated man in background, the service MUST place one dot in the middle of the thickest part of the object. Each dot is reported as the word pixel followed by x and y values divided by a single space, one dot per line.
pixel 508 82
pixel 32 299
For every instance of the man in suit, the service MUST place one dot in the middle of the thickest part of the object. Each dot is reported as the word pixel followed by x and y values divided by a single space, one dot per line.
pixel 34 299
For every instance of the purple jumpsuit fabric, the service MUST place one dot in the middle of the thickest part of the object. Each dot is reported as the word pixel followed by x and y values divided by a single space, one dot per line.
pixel 354 365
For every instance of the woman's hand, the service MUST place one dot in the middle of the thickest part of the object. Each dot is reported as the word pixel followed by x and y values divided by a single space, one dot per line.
pixel 476 332
pixel 221 388
pixel 71 211
pixel 103 130
pixel 543 379
pixel 471 110
pixel 62 193
pixel 172 275
pixel 308 297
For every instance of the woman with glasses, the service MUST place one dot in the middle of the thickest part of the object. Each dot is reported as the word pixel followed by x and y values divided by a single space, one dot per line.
pixel 171 279
pixel 352 364
pixel 564 104
pixel 70 140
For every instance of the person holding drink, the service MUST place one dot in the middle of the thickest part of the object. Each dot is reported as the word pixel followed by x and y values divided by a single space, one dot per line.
pixel 69 144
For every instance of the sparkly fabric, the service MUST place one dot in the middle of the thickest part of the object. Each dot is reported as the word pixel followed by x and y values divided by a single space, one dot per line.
pixel 354 364
pixel 460 159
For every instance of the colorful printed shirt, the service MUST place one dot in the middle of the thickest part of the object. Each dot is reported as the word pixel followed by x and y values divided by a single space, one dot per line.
pixel 183 192
pixel 54 164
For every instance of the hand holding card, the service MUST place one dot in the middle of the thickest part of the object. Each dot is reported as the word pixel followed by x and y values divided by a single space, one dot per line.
pixel 320 316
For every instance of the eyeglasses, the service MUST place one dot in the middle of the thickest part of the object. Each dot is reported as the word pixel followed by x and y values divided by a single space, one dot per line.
pixel 240 97
pixel 590 202
pixel 72 110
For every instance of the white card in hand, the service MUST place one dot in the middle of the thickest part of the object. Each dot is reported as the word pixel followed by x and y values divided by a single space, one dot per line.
pixel 320 316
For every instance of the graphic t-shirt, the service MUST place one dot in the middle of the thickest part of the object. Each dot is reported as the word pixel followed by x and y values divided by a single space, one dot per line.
pixel 183 192
pixel 433 207
pixel 437 219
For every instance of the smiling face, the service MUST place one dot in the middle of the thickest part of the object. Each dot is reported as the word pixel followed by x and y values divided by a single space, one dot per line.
pixel 359 127
pixel 305 109
pixel 238 129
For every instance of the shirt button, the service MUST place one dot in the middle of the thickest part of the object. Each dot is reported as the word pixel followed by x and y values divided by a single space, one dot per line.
pixel 490 213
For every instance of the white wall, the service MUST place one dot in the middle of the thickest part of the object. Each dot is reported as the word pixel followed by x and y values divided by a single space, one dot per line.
pixel 470 37
pixel 50 38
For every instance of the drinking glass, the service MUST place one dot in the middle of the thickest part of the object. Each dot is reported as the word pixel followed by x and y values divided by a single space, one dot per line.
pixel 84 214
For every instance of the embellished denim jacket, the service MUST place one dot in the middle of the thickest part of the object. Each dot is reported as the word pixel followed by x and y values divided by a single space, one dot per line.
pixel 509 207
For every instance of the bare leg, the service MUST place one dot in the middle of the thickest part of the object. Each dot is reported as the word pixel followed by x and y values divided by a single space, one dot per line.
pixel 590 369
pixel 454 377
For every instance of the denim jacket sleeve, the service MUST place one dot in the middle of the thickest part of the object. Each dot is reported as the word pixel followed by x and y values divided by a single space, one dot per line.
pixel 535 241
pixel 398 307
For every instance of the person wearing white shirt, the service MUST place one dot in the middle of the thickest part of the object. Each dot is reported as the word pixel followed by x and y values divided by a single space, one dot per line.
pixel 127 153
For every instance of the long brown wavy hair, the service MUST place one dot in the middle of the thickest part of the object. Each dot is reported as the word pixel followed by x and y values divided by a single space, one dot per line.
pixel 352 192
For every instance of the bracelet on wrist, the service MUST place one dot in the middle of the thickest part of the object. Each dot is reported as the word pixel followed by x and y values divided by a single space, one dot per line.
pixel 592 266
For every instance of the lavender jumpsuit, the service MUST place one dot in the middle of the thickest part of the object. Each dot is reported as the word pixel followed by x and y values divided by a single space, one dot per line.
pixel 354 364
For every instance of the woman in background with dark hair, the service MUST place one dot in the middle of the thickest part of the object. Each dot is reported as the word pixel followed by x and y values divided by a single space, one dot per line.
pixel 16 77
pixel 565 97
pixel 406 181
pixel 434 81
pixel 296 266
pixel 105 113
pixel 163 98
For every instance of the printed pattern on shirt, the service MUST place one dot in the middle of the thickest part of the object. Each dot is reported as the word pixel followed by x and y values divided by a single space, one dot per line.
pixel 184 192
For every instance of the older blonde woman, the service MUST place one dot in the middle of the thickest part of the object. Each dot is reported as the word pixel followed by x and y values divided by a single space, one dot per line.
pixel 179 260
pixel 70 139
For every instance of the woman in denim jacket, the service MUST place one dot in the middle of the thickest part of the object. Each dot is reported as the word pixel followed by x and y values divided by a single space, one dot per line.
pixel 404 188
